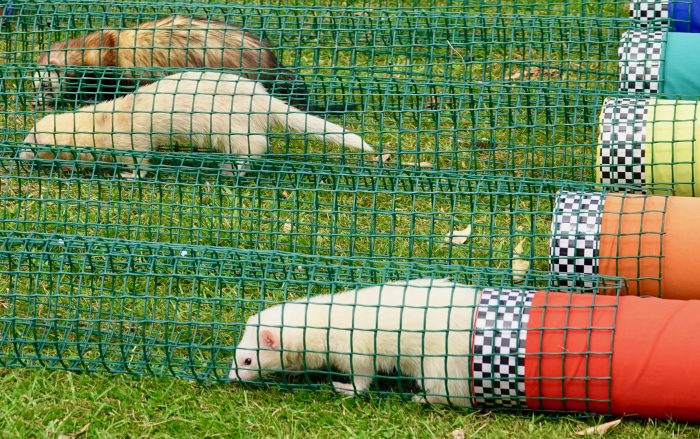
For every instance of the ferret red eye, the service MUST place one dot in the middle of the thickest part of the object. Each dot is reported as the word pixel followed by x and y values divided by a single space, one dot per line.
pixel 247 361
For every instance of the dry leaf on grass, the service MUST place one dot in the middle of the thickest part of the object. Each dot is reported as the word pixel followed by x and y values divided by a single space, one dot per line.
pixel 519 265
pixel 384 158
pixel 459 236
pixel 420 165
pixel 287 227
pixel 75 435
pixel 600 429
pixel 285 194
pixel 514 76
pixel 458 434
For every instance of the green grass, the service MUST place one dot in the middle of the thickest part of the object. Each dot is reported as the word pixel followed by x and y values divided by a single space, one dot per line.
pixel 46 404
pixel 104 257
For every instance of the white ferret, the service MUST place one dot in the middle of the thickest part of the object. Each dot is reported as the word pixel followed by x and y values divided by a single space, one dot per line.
pixel 208 110
pixel 145 51
pixel 420 328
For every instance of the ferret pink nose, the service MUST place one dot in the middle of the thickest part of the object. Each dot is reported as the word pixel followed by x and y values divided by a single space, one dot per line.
pixel 233 376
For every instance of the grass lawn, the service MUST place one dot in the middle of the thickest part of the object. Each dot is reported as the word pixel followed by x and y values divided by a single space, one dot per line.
pixel 156 277
pixel 45 404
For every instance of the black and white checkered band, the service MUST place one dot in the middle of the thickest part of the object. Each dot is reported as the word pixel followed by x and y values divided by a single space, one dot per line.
pixel 575 236
pixel 498 367
pixel 640 61
pixel 649 11
pixel 622 141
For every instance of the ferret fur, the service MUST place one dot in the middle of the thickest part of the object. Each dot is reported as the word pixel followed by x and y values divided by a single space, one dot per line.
pixel 171 42
pixel 209 110
pixel 421 328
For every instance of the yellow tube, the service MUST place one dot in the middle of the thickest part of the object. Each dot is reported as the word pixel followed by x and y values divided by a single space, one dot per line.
pixel 672 133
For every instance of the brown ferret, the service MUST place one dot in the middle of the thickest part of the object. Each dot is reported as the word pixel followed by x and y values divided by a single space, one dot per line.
pixel 143 54
pixel 222 112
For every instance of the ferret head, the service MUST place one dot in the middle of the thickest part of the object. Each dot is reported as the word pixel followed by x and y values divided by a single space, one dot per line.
pixel 51 78
pixel 46 133
pixel 48 78
pixel 260 352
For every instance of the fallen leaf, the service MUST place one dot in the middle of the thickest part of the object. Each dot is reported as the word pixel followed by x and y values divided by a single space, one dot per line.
pixel 384 158
pixel 459 236
pixel 600 429
pixel 458 434
pixel 533 73
pixel 287 227
pixel 285 194
pixel 519 266
pixel 514 76
pixel 75 435
pixel 420 165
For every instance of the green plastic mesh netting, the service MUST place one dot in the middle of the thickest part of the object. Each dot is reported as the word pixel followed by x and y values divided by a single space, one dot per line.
pixel 480 115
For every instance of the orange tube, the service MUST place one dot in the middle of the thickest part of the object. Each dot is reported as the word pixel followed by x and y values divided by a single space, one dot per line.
pixel 604 354
pixel 653 242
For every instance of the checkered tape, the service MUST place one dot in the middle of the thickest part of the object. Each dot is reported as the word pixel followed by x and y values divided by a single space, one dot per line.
pixel 641 53
pixel 649 11
pixel 622 141
pixel 498 365
pixel 576 236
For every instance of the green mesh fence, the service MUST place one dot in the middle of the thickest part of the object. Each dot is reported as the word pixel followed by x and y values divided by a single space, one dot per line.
pixel 439 90
pixel 157 275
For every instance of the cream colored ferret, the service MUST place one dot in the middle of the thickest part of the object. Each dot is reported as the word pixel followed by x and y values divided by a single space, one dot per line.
pixel 421 328
pixel 208 110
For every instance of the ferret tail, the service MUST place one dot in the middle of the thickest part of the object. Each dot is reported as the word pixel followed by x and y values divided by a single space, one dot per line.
pixel 297 120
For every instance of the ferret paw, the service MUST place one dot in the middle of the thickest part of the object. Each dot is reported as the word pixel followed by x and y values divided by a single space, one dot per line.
pixel 227 170
pixel 420 399
pixel 133 175
pixel 68 169
pixel 344 388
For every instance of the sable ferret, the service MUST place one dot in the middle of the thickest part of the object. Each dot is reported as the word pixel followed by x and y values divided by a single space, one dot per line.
pixel 172 42
pixel 420 328
pixel 219 111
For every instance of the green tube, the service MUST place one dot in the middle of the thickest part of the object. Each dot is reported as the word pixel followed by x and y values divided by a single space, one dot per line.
pixel 681 67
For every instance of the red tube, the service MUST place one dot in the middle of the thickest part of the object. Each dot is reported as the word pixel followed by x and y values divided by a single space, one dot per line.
pixel 604 354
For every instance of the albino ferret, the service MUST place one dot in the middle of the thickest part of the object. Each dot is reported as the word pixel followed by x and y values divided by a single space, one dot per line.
pixel 208 110
pixel 171 42
pixel 420 328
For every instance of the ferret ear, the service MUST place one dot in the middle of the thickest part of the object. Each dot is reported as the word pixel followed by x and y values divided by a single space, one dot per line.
pixel 268 339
